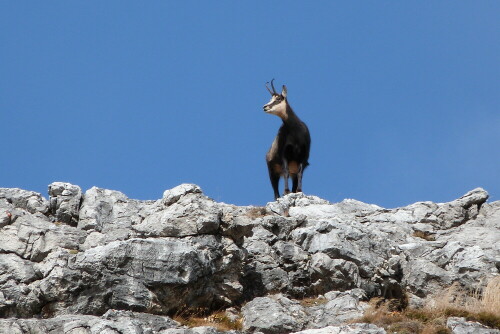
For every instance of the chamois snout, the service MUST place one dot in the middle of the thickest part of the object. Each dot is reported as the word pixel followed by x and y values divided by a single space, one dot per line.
pixel 276 102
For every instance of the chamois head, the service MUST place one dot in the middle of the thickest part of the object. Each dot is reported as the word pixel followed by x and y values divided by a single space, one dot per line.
pixel 278 102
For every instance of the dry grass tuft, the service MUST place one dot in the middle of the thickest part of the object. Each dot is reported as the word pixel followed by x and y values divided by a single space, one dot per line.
pixel 480 306
pixel 219 320
pixel 257 212
pixel 405 322
pixel 424 235
pixel 491 296
pixel 313 301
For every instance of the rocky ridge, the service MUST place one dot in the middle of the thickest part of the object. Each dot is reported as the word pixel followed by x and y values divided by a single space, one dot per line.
pixel 100 262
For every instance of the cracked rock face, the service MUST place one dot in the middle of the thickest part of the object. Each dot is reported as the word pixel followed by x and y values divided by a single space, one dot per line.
pixel 65 200
pixel 82 255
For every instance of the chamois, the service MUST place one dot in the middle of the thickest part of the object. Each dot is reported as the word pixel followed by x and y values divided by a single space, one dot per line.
pixel 289 153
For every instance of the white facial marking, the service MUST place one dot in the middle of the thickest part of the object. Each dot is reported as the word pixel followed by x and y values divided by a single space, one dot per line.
pixel 276 106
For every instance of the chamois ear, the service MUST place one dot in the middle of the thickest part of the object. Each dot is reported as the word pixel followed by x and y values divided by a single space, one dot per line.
pixel 283 91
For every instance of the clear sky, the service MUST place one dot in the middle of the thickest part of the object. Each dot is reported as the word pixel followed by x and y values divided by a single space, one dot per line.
pixel 402 98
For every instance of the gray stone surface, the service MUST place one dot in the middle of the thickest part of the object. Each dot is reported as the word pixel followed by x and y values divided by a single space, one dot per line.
pixel 273 314
pixel 279 314
pixel 65 200
pixel 112 322
pixel 462 326
pixel 346 329
pixel 30 201
pixel 85 254
pixel 339 308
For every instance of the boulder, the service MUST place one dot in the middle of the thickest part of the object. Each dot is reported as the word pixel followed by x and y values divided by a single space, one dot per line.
pixel 273 315
pixel 279 314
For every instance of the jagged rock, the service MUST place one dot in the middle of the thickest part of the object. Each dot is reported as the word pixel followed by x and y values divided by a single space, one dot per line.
pixel 182 212
pixel 171 196
pixel 333 274
pixel 30 201
pixel 16 268
pixel 112 322
pixel 467 254
pixel 65 200
pixel 236 223
pixel 278 314
pixel 273 315
pixel 462 326
pixel 111 213
pixel 186 251
pixel 339 308
pixel 33 238
pixel 147 275
pixel 346 329
pixel 5 217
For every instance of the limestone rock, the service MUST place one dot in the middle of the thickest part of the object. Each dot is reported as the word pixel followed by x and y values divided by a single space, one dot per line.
pixel 112 322
pixel 338 308
pixel 65 200
pixel 111 212
pixel 33 238
pixel 187 216
pixel 77 257
pixel 274 314
pixel 171 196
pixel 30 201
pixel 279 314
pixel 346 329
pixel 462 326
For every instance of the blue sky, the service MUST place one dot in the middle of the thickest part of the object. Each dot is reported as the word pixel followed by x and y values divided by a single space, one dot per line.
pixel 402 98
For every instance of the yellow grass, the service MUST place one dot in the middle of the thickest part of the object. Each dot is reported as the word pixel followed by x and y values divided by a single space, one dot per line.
pixel 219 320
pixel 482 306
pixel 424 235
pixel 257 212
pixel 313 301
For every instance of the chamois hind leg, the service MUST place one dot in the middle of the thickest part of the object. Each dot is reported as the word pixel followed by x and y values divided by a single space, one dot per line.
pixel 286 174
pixel 275 180
pixel 294 170
pixel 295 182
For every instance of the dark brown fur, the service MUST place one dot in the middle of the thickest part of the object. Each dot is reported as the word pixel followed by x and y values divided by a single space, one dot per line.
pixel 289 153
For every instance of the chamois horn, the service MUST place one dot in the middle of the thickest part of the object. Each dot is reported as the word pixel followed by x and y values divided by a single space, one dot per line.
pixel 274 90
pixel 272 85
